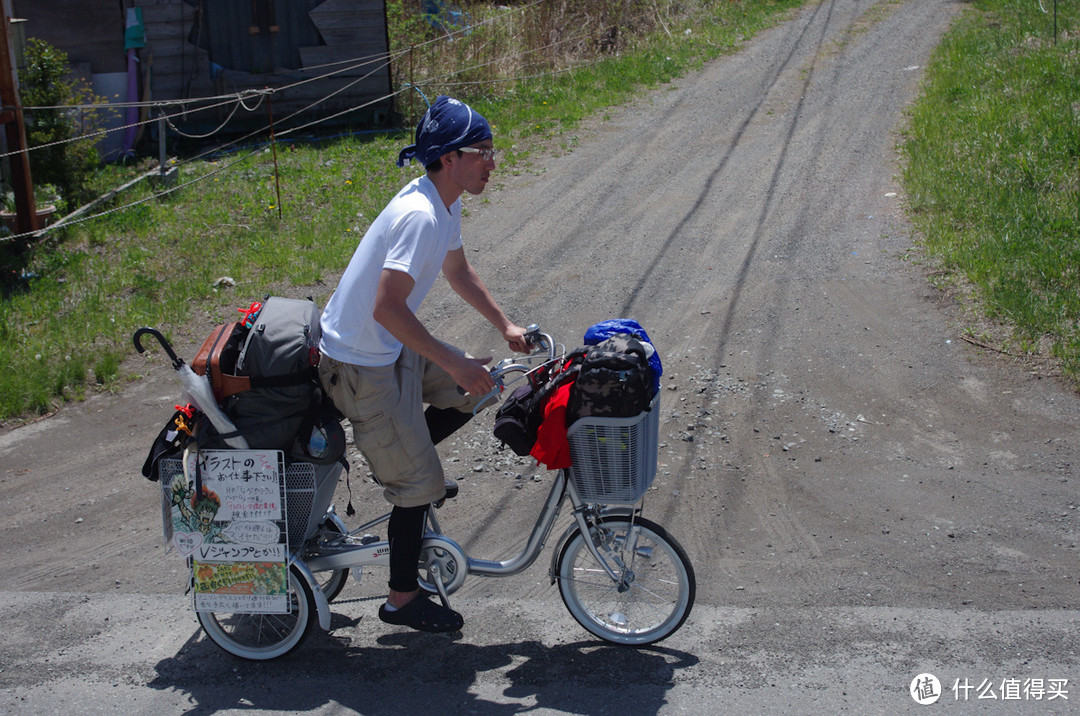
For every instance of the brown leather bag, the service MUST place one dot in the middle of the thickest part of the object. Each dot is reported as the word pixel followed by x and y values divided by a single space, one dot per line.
pixel 217 358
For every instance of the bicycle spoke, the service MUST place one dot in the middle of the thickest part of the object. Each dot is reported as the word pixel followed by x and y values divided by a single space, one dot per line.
pixel 654 592
pixel 263 636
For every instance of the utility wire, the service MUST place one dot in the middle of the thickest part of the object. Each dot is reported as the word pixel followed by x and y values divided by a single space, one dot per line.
pixel 352 63
pixel 238 105
pixel 266 127
pixel 228 99
pixel 103 132
pixel 238 99
pixel 157 195
pixel 519 78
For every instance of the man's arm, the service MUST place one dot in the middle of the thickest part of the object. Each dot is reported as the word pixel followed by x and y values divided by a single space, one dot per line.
pixel 466 283
pixel 392 312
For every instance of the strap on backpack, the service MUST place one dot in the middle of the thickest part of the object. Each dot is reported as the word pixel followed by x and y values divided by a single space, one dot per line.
pixel 284 380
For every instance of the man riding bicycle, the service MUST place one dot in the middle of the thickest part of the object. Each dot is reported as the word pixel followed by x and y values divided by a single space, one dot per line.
pixel 380 364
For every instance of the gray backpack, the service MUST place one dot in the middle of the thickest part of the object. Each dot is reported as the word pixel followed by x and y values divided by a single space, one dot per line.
pixel 277 363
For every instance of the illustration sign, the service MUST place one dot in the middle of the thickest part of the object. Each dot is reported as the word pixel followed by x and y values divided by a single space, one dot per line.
pixel 242 587
pixel 231 528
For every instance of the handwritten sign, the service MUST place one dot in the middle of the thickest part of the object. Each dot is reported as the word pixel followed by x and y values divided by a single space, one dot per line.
pixel 226 511
pixel 243 587
pixel 248 483
pixel 240 552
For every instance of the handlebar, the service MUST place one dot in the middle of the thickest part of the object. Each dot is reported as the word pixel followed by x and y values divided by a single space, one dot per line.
pixel 544 350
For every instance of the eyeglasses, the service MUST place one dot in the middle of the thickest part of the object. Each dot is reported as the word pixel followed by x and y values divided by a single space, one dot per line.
pixel 488 155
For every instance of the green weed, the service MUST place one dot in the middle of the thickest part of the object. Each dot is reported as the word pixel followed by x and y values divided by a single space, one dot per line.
pixel 68 314
pixel 993 168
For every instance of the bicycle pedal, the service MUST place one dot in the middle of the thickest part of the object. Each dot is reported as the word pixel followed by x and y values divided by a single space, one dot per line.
pixel 451 492
pixel 369 539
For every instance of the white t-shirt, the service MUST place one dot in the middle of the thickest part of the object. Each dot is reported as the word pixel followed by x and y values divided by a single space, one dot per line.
pixel 412 234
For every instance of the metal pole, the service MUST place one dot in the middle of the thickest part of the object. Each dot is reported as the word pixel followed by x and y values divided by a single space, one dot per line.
pixel 166 176
pixel 273 146
pixel 161 142
pixel 12 117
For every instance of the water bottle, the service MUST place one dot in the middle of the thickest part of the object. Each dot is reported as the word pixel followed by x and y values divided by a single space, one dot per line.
pixel 317 445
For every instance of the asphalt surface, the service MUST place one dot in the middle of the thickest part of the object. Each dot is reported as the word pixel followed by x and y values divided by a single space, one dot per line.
pixel 865 497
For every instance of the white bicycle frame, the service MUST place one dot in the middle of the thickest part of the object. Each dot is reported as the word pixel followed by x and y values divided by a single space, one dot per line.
pixel 350 551
pixel 354 549
pixel 614 466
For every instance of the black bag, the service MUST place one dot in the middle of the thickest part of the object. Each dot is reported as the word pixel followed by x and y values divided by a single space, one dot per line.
pixel 169 443
pixel 518 419
pixel 615 381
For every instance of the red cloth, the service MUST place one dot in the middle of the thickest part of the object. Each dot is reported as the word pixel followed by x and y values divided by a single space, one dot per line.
pixel 552 448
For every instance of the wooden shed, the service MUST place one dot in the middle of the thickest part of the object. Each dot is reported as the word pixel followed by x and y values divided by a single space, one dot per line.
pixel 323 58
pixel 326 57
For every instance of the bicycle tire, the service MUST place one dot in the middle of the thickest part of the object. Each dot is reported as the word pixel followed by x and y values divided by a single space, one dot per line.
pixel 658 587
pixel 262 637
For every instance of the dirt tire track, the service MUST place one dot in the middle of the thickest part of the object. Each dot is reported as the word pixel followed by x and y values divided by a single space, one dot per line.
pixel 833 453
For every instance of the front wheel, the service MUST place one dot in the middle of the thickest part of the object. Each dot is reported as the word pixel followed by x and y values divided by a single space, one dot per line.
pixel 655 590
pixel 261 637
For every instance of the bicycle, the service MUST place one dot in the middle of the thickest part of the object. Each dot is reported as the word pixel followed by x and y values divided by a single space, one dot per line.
pixel 620 575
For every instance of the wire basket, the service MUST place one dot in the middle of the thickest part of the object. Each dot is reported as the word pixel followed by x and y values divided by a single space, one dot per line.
pixel 613 460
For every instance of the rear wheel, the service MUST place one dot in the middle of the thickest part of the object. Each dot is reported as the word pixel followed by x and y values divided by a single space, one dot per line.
pixel 261 637
pixel 654 591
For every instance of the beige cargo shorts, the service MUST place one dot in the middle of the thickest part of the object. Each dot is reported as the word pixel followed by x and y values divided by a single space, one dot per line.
pixel 385 405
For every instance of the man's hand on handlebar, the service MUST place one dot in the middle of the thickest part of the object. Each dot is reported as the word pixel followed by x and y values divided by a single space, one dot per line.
pixel 536 345
pixel 471 375
pixel 515 337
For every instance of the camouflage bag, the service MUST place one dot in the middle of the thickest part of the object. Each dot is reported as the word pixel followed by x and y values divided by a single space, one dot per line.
pixel 615 381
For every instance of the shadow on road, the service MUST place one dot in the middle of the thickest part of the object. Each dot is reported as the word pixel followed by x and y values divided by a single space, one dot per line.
pixel 412 671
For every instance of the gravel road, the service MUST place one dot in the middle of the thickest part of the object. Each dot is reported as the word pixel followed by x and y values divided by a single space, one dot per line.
pixel 865 496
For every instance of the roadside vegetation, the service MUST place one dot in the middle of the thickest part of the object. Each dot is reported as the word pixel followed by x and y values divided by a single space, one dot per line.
pixel 277 217
pixel 993 174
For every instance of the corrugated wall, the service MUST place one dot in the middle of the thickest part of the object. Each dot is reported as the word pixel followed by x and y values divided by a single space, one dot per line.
pixel 191 54
pixel 90 32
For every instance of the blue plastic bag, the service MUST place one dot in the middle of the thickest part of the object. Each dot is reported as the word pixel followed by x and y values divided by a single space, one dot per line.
pixel 606 329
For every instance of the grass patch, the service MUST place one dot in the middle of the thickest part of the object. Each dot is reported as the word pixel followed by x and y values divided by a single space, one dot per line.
pixel 993 169
pixel 182 261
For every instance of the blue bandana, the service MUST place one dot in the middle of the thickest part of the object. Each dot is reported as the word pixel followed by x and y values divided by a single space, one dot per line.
pixel 448 124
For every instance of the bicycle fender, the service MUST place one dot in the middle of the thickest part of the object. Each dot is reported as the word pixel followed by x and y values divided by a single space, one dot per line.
pixel 322 606
pixel 565 536
pixel 332 515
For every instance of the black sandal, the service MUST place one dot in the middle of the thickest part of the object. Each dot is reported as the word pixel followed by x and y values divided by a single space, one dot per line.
pixel 424 615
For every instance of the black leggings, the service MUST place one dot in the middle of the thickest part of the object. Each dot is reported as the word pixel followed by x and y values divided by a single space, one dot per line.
pixel 444 422
pixel 406 529
pixel 405 533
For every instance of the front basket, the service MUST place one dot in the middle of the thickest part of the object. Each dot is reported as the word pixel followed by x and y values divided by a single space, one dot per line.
pixel 614 459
